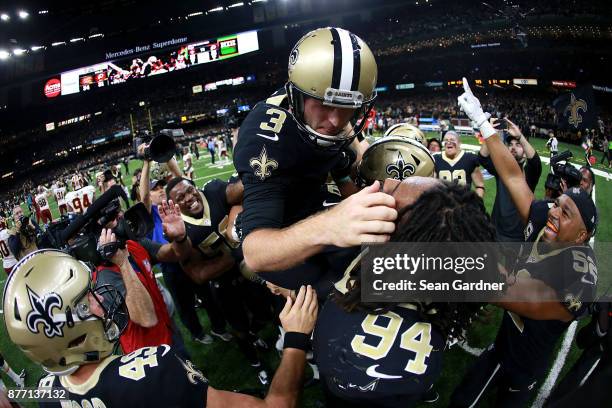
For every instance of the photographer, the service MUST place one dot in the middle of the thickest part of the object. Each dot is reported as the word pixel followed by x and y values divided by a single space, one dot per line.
pixel 507 222
pixel 520 356
pixel 129 270
pixel 22 239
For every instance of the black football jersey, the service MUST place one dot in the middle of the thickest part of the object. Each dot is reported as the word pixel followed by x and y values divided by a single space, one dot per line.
pixel 386 359
pixel 458 169
pixel 282 172
pixel 208 233
pixel 525 345
pixel 147 377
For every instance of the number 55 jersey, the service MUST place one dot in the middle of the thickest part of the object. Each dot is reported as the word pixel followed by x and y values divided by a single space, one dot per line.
pixel 387 359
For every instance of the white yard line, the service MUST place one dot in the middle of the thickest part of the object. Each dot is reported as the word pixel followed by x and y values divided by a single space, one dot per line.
pixel 475 351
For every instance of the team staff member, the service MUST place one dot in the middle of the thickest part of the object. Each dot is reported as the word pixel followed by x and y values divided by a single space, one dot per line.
pixel 130 272
pixel 289 143
pixel 455 164
pixel 505 217
pixel 79 357
pixel 520 355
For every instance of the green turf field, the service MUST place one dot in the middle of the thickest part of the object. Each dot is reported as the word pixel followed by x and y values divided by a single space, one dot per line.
pixel 224 365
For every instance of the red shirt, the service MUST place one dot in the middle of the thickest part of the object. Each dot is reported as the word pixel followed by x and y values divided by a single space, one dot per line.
pixel 135 336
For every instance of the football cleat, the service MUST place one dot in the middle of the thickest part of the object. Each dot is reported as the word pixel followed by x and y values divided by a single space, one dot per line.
pixel 203 339
pixel 21 382
pixel 225 336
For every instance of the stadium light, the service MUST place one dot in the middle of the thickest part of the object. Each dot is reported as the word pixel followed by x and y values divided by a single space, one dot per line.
pixel 236 5
pixel 4 54
pixel 5 17
pixel 73 40
pixel 23 14
pixel 37 47
pixel 258 1
pixel 97 35
pixel 43 11
pixel 215 9
pixel 55 44
pixel 197 13
pixel 19 51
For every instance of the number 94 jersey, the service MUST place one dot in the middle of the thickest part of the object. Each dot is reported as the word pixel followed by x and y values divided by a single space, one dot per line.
pixel 384 359
pixel 147 377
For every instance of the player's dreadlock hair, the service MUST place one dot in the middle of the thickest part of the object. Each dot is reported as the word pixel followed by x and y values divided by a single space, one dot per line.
pixel 445 213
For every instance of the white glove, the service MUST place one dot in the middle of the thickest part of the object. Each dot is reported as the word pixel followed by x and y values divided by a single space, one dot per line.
pixel 471 106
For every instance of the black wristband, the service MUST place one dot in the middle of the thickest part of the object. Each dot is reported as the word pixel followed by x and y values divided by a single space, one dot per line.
pixel 180 241
pixel 296 340
pixel 360 137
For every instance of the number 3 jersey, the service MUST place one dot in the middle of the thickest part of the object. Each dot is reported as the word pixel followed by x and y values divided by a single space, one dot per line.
pixel 147 377
pixel 388 359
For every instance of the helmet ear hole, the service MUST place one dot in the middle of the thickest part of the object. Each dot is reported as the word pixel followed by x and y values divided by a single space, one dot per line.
pixel 77 342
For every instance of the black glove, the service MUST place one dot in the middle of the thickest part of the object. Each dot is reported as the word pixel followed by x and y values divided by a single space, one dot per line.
pixel 343 168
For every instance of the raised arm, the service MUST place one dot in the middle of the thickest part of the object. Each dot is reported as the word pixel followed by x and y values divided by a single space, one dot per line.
pixel 506 166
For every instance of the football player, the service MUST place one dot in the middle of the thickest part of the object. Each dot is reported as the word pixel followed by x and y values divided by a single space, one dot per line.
pixel 462 167
pixel 60 196
pixel 215 259
pixel 407 130
pixel 395 157
pixel 72 329
pixel 78 201
pixel 289 143
pixel 18 379
pixel 390 354
pixel 8 259
pixel 42 199
pixel 561 261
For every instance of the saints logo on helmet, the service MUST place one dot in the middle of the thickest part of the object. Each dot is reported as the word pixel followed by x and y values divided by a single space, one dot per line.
pixel 48 314
pixel 337 68
pixel 407 130
pixel 394 157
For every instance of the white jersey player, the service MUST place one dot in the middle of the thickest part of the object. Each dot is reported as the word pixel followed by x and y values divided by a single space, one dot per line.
pixel 42 199
pixel 8 259
pixel 79 201
pixel 60 196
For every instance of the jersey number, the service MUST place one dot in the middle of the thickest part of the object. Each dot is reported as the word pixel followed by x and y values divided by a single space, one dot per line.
pixel 416 339
pixel 4 249
pixel 586 265
pixel 456 175
pixel 276 121
pixel 76 203
pixel 135 362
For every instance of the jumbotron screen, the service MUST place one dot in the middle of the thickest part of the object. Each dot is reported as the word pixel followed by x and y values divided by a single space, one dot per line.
pixel 150 64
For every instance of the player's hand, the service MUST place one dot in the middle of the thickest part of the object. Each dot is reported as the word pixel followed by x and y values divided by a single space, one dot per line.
pixel 366 216
pixel 563 185
pixel 277 290
pixel 471 105
pixel 121 255
pixel 513 129
pixel 300 315
pixel 172 222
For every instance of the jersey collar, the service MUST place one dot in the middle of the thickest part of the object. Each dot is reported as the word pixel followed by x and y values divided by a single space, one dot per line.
pixel 205 220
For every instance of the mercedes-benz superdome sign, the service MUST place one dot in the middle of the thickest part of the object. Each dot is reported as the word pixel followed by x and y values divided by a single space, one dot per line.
pixel 147 61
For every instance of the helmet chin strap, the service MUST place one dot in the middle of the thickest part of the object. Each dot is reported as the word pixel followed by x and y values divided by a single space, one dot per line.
pixel 324 140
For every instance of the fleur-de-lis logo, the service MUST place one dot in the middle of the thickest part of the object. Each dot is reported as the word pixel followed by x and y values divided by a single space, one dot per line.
pixel 193 374
pixel 573 302
pixel 262 165
pixel 400 169
pixel 574 106
pixel 42 312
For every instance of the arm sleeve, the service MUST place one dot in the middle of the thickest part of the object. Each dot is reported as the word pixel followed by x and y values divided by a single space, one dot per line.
pixel 14 244
pixel 487 164
pixel 533 171
pixel 263 206
pixel 152 249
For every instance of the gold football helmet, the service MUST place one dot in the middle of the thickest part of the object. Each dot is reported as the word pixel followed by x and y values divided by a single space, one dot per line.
pixel 407 130
pixel 48 315
pixel 337 68
pixel 395 157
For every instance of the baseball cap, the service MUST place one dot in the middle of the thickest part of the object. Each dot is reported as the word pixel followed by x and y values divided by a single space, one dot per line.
pixel 154 183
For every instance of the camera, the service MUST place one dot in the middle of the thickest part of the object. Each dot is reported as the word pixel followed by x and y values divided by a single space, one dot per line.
pixel 561 169
pixel 79 235
pixel 160 147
